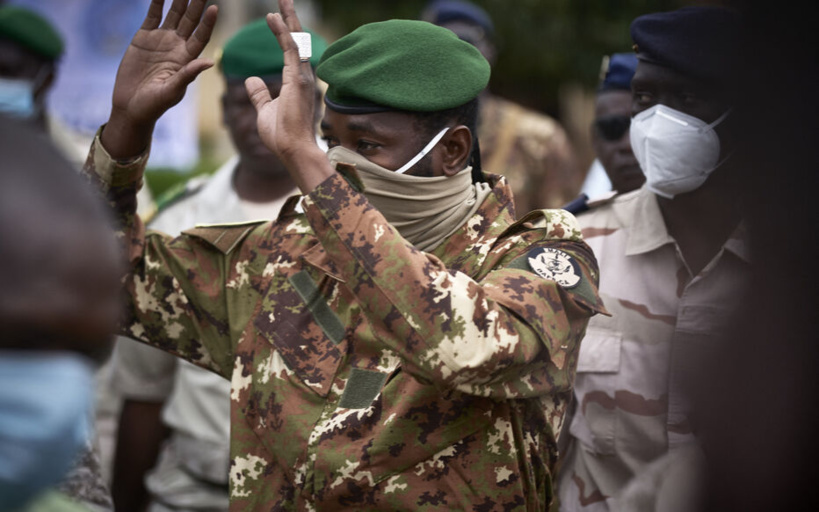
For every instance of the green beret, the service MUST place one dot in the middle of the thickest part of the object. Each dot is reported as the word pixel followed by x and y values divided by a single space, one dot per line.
pixel 254 51
pixel 31 31
pixel 401 65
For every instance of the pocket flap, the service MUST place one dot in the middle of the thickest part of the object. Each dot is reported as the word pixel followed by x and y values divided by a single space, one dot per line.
pixel 600 351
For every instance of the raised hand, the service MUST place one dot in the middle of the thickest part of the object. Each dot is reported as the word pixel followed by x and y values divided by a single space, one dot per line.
pixel 155 71
pixel 286 124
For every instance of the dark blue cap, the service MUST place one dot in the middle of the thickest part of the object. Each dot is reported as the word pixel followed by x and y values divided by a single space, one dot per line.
pixel 444 11
pixel 619 72
pixel 698 41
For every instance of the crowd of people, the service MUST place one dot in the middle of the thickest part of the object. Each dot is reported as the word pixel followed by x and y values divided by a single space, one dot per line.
pixel 403 292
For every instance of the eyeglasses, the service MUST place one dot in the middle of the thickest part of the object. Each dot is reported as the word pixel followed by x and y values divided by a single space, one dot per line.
pixel 612 128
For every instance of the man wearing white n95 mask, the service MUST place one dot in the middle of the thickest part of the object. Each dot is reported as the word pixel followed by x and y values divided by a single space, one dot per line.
pixel 673 261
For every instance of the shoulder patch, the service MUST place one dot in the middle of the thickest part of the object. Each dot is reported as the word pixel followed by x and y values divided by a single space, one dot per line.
pixel 223 237
pixel 555 265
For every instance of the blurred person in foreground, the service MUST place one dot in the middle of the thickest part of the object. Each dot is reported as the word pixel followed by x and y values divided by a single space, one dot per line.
pixel 60 273
pixel 674 262
pixel 610 137
pixel 31 49
pixel 759 391
pixel 403 343
pixel 530 148
pixel 30 53
pixel 161 391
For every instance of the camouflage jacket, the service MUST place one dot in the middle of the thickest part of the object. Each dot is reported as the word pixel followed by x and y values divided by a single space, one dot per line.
pixel 367 375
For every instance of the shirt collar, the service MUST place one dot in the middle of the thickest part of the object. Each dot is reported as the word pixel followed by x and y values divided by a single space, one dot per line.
pixel 491 219
pixel 738 243
pixel 646 231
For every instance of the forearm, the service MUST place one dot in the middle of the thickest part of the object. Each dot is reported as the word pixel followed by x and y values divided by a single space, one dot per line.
pixel 139 439
pixel 124 139
pixel 119 182
pixel 309 167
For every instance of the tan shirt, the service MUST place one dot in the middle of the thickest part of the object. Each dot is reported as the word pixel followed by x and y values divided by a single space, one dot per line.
pixel 630 408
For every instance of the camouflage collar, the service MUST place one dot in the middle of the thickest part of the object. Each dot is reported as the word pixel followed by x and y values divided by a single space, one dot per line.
pixel 480 232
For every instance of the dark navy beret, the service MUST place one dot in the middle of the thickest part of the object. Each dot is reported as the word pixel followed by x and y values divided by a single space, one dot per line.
pixel 698 41
pixel 619 72
pixel 440 12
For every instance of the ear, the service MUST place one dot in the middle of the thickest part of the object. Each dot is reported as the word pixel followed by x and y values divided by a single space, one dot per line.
pixel 47 82
pixel 490 53
pixel 318 110
pixel 456 147
pixel 594 137
pixel 223 103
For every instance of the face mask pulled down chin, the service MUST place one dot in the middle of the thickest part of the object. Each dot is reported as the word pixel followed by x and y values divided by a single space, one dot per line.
pixel 676 151
pixel 424 210
pixel 46 404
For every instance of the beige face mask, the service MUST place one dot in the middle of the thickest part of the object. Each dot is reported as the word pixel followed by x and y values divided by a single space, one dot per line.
pixel 425 211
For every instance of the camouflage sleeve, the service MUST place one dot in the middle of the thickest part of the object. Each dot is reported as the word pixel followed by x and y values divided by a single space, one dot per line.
pixel 490 338
pixel 172 302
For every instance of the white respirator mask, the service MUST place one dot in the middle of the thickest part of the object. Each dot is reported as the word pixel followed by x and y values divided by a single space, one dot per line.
pixel 676 151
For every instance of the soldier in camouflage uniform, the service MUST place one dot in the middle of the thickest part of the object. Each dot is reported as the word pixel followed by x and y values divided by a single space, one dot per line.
pixel 529 148
pixel 674 262
pixel 373 366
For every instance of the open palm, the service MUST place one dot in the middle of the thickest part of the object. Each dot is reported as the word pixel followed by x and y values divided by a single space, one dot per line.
pixel 162 60
pixel 287 124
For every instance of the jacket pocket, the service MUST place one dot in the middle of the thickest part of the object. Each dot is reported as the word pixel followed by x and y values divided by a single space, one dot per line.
pixel 598 376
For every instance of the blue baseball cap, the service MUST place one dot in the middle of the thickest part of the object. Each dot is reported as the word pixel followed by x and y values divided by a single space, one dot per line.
pixel 618 74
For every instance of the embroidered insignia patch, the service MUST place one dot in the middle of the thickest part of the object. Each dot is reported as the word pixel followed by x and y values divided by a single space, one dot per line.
pixel 555 265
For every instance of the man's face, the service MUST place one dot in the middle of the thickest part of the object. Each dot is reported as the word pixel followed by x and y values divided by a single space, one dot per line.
pixel 654 84
pixel 240 120
pixel 387 139
pixel 75 303
pixel 20 64
pixel 94 302
pixel 613 147
pixel 475 35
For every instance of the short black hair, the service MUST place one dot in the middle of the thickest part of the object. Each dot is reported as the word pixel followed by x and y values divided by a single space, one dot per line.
pixel 430 123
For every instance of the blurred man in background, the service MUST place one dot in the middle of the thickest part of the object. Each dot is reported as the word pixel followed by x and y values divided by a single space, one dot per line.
pixel 59 305
pixel 30 52
pixel 164 395
pixel 530 148
pixel 673 264
pixel 610 137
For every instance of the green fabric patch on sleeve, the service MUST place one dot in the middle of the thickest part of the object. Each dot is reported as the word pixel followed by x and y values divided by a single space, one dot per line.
pixel 322 314
pixel 362 388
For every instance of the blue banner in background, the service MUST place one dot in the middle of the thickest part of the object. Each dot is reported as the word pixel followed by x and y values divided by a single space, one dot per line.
pixel 96 34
